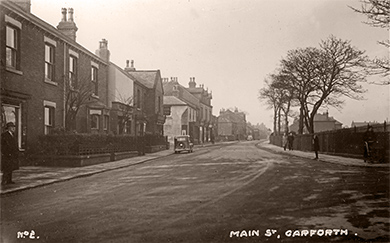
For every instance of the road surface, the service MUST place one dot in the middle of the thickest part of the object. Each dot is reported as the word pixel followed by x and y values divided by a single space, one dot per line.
pixel 225 193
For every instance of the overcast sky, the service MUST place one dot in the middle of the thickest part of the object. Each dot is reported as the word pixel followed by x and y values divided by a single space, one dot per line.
pixel 230 46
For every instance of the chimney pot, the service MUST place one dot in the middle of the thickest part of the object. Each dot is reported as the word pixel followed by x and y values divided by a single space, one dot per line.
pixel 192 83
pixel 70 11
pixel 103 44
pixel 129 69
pixel 63 15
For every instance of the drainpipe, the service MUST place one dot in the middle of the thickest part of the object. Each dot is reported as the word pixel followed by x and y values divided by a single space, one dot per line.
pixel 64 101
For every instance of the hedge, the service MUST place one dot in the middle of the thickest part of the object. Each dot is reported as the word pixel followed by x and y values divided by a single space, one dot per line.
pixel 83 144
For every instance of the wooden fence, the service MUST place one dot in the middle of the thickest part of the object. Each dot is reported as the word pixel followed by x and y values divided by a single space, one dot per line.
pixel 344 142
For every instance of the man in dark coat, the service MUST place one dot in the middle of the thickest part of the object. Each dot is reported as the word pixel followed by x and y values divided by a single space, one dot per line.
pixel 290 139
pixel 369 138
pixel 9 153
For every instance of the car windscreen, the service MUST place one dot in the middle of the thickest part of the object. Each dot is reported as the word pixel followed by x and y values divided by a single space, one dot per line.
pixel 181 139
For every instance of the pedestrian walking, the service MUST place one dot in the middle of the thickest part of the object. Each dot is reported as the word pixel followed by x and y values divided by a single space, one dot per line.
pixel 290 139
pixel 284 141
pixel 316 145
pixel 9 153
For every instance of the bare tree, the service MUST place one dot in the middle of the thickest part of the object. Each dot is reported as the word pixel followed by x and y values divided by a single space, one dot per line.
pixel 126 111
pixel 285 89
pixel 341 68
pixel 299 67
pixel 78 93
pixel 321 76
pixel 380 66
pixel 378 14
pixel 271 96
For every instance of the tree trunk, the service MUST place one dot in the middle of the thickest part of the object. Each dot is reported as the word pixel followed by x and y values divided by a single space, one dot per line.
pixel 286 129
pixel 279 121
pixel 275 119
pixel 311 125
pixel 300 129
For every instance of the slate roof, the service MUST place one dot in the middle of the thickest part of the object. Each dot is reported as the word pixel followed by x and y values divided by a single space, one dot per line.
pixel 172 100
pixel 184 95
pixel 146 77
pixel 196 90
pixel 324 118
pixel 229 116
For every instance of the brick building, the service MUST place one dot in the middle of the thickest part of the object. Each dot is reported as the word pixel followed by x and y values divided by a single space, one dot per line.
pixel 231 125
pixel 120 99
pixel 149 93
pixel 322 122
pixel 205 109
pixel 43 68
pixel 183 111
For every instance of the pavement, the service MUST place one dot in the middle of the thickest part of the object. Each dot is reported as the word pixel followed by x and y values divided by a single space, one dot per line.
pixel 322 157
pixel 28 177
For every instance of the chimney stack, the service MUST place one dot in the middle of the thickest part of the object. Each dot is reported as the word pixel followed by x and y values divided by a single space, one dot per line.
pixel 68 26
pixel 192 83
pixel 129 69
pixel 175 91
pixel 103 51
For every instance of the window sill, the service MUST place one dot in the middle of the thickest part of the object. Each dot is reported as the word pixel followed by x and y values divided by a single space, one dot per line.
pixel 13 70
pixel 48 81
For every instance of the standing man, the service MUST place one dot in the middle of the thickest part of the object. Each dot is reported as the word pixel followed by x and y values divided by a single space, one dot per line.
pixel 316 145
pixel 9 153
pixel 290 139
pixel 369 138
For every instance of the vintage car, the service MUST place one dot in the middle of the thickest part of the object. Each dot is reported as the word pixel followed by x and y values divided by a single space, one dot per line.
pixel 183 143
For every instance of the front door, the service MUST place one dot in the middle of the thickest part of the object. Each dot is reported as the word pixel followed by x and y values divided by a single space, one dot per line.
pixel 12 113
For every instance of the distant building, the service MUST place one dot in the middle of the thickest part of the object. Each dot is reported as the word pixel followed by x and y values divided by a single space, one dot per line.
pixel 259 131
pixel 231 125
pixel 363 124
pixel 189 111
pixel 181 111
pixel 322 122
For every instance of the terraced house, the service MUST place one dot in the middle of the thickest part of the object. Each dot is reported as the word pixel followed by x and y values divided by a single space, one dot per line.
pixel 50 83
pixel 48 80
